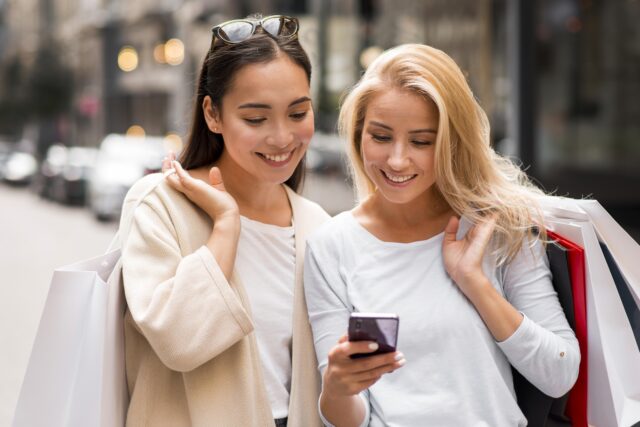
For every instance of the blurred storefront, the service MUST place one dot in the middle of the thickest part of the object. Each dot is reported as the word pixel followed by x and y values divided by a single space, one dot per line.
pixel 559 79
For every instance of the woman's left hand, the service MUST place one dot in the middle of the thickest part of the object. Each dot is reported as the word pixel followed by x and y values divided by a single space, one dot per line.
pixel 463 258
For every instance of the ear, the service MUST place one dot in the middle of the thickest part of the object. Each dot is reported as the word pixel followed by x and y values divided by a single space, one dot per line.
pixel 211 115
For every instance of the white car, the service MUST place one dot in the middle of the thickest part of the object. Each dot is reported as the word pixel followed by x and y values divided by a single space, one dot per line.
pixel 122 160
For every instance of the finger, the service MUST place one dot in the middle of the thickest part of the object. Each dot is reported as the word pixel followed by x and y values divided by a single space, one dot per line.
pixel 343 338
pixel 357 347
pixel 365 364
pixel 166 164
pixel 451 229
pixel 374 374
pixel 484 231
pixel 215 178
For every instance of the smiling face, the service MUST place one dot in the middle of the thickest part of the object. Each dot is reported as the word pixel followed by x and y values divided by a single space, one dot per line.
pixel 266 121
pixel 398 144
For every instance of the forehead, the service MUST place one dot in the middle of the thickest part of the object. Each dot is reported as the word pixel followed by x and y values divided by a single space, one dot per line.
pixel 396 105
pixel 277 81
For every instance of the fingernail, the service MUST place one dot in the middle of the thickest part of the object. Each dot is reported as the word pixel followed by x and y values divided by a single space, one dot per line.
pixel 399 356
pixel 373 346
pixel 401 362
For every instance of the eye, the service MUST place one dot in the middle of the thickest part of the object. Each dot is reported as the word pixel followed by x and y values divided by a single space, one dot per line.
pixel 380 138
pixel 255 121
pixel 299 116
pixel 421 143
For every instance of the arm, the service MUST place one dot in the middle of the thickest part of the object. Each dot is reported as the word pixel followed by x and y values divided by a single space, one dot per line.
pixel 544 348
pixel 538 342
pixel 344 399
pixel 183 305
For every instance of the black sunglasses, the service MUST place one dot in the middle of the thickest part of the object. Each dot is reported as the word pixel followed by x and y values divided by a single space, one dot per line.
pixel 239 30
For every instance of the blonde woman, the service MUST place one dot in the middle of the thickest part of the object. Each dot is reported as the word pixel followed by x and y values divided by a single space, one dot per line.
pixel 444 237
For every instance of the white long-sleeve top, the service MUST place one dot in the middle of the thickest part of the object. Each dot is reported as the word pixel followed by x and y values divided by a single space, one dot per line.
pixel 456 374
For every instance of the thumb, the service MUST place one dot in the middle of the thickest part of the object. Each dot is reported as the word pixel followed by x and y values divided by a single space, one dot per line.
pixel 342 339
pixel 451 229
pixel 215 178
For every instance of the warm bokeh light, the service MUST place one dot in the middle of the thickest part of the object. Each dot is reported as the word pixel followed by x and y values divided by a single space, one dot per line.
pixel 127 59
pixel 136 130
pixel 368 55
pixel 174 52
pixel 173 142
pixel 158 54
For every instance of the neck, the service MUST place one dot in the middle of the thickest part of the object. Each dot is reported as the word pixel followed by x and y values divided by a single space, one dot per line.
pixel 415 214
pixel 260 200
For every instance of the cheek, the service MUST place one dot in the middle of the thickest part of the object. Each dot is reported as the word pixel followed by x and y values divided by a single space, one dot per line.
pixel 305 129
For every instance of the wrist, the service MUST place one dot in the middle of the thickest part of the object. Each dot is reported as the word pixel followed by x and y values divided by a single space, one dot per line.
pixel 228 223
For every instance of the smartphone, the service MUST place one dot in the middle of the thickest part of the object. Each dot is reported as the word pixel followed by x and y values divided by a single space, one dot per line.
pixel 379 327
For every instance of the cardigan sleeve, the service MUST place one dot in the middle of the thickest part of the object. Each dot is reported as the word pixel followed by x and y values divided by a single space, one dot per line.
pixel 182 304
pixel 543 349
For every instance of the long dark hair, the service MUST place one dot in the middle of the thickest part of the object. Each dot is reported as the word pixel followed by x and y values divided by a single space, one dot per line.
pixel 219 68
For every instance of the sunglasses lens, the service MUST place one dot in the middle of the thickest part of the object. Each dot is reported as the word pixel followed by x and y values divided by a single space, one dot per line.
pixel 235 32
pixel 280 26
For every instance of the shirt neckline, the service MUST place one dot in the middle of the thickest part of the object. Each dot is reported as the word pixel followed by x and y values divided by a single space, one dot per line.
pixel 372 237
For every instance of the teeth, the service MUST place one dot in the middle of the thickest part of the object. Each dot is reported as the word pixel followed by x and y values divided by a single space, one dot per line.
pixel 398 179
pixel 278 157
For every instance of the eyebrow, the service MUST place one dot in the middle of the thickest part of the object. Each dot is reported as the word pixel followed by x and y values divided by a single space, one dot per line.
pixel 267 106
pixel 382 125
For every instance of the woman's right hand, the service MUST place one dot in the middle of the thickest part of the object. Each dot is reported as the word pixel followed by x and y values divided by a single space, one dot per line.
pixel 345 376
pixel 210 197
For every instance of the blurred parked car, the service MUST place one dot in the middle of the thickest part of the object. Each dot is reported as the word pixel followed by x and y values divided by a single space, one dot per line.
pixel 50 168
pixel 121 161
pixel 5 152
pixel 70 184
pixel 20 168
pixel 326 154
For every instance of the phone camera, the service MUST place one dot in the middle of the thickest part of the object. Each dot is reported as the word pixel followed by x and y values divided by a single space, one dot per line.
pixel 358 324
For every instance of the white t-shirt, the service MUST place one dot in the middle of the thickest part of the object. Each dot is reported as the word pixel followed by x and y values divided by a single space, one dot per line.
pixel 456 374
pixel 265 262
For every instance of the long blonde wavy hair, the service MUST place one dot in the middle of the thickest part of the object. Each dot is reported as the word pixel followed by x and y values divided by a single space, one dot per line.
pixel 471 177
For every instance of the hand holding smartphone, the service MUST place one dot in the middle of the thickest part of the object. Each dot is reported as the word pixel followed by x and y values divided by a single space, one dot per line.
pixel 379 327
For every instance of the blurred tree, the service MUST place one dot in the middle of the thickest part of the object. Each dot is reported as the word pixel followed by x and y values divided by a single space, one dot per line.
pixel 49 84
pixel 12 108
pixel 49 94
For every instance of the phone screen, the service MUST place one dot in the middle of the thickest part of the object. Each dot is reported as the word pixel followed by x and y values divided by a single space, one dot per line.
pixel 381 328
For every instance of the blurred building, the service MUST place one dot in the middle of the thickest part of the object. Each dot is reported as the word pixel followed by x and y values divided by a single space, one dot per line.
pixel 559 79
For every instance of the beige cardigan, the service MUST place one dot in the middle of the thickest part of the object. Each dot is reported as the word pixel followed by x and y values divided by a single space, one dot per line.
pixel 191 355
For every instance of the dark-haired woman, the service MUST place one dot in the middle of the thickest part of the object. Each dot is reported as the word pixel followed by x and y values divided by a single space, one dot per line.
pixel 216 330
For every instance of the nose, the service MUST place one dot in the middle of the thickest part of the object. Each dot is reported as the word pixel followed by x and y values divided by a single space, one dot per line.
pixel 398 157
pixel 281 137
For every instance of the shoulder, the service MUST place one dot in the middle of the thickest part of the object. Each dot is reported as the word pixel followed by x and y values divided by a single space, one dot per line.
pixel 333 233
pixel 153 192
pixel 312 211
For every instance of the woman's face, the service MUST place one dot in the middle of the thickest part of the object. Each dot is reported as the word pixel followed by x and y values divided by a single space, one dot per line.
pixel 398 144
pixel 266 120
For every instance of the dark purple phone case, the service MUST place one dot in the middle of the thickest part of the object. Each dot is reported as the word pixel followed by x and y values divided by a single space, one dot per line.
pixel 383 330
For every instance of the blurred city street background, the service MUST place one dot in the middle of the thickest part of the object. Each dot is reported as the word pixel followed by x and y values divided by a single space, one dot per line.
pixel 94 92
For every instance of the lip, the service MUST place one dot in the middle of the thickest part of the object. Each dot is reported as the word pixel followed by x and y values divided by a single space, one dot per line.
pixel 274 163
pixel 397 184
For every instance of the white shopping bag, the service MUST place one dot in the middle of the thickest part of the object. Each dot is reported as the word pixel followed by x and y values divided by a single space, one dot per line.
pixel 625 250
pixel 75 375
pixel 614 359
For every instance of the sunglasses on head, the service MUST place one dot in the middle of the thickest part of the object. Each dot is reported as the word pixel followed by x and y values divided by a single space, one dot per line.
pixel 239 30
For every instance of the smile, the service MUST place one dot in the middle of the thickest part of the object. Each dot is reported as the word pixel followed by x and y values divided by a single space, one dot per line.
pixel 276 159
pixel 397 179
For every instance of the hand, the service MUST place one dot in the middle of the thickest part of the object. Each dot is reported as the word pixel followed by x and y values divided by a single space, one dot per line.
pixel 463 258
pixel 210 197
pixel 347 377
